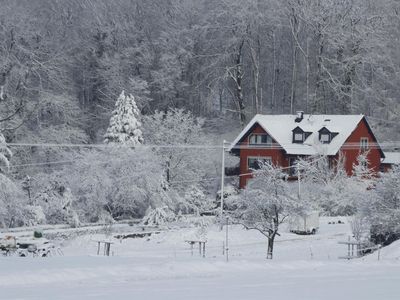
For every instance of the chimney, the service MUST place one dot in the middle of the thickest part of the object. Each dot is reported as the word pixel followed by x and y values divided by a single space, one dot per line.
pixel 299 116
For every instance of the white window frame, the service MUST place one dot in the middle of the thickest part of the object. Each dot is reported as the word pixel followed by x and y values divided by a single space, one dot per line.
pixel 257 158
pixel 328 136
pixel 258 139
pixel 364 144
pixel 296 135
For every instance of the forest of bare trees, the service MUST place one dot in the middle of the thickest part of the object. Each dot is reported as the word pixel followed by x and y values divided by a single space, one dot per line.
pixel 64 62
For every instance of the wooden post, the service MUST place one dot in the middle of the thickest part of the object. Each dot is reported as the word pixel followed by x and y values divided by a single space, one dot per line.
pixel 348 249
pixel 98 248
pixel 204 249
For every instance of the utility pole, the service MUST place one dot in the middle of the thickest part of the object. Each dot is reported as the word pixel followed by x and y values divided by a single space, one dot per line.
pixel 222 180
pixel 226 239
pixel 298 179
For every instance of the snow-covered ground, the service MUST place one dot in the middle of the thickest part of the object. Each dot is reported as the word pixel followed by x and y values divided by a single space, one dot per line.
pixel 162 267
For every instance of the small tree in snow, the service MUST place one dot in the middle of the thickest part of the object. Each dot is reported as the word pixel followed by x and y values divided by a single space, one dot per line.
pixel 327 186
pixel 266 203
pixel 195 201
pixel 381 207
pixel 56 201
pixel 5 155
pixel 178 127
pixel 158 216
pixel 361 172
pixel 124 124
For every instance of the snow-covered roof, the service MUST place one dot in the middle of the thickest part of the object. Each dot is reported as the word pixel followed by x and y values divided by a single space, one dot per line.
pixel 280 127
pixel 392 158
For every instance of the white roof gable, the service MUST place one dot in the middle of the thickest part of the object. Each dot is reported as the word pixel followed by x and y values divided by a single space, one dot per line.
pixel 392 158
pixel 280 127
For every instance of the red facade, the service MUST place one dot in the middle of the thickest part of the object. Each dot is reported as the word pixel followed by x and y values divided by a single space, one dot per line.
pixel 350 150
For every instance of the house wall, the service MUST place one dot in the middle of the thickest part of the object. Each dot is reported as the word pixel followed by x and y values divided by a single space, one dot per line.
pixel 350 155
pixel 277 155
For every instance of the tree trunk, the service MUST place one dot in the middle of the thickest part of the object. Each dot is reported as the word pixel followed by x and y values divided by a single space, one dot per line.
pixel 239 87
pixel 270 250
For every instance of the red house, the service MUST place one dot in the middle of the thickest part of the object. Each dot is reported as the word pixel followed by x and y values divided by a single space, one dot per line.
pixel 282 139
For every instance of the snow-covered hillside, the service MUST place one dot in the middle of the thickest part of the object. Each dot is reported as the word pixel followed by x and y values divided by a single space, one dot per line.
pixel 162 266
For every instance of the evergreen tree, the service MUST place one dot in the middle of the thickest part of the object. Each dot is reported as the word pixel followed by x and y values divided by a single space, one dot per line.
pixel 124 124
pixel 5 155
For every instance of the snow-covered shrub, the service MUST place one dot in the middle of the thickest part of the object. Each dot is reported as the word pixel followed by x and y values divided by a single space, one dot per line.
pixel 195 202
pixel 329 189
pixel 12 203
pixel 56 201
pixel 381 207
pixel 119 182
pixel 34 215
pixel 158 216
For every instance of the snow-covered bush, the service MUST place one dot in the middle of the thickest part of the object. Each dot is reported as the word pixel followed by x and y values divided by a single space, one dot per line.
pixel 11 203
pixel 195 202
pixel 125 124
pixel 329 188
pixel 382 207
pixel 57 204
pixel 158 216
pixel 34 215
pixel 120 182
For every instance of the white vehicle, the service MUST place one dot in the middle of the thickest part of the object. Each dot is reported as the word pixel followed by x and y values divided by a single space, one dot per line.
pixel 304 224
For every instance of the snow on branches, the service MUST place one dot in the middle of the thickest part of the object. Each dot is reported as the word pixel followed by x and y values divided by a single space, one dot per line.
pixel 266 203
pixel 5 155
pixel 124 125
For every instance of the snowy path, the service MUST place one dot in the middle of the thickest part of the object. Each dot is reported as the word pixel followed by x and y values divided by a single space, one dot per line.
pixel 305 267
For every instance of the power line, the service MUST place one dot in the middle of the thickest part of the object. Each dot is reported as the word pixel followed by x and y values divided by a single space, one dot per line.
pixel 213 147
pixel 43 163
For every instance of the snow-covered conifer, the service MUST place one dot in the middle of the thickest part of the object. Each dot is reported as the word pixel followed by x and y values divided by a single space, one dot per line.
pixel 124 125
pixel 5 155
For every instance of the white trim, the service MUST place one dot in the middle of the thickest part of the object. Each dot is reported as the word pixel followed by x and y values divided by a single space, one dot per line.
pixel 261 143
pixel 364 139
pixel 328 140
pixel 298 134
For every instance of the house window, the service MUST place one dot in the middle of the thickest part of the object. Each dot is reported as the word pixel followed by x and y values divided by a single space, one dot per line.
pixel 298 137
pixel 256 162
pixel 325 138
pixel 260 139
pixel 364 144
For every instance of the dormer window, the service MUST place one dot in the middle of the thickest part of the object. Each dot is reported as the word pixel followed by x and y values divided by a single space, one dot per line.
pixel 326 136
pixel 260 139
pixel 299 135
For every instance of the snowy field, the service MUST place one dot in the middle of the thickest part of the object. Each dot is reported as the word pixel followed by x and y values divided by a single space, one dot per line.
pixel 162 267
